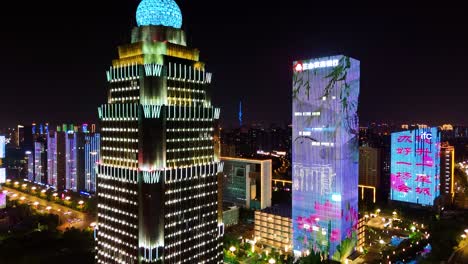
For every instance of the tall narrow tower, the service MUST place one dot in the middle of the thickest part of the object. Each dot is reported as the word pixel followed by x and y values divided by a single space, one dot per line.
pixel 325 156
pixel 157 177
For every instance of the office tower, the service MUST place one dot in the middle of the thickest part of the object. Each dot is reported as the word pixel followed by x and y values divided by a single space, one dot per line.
pixel 2 156
pixel 157 177
pixel 447 170
pixel 325 155
pixel 60 137
pixel 247 182
pixel 40 162
pixel 92 156
pixel 30 160
pixel 52 159
pixel 70 159
pixel 369 173
pixel 415 166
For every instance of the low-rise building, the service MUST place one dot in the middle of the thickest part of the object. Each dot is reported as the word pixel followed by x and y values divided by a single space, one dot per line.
pixel 274 228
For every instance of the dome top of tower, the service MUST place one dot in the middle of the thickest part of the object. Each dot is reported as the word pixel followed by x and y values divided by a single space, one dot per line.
pixel 159 13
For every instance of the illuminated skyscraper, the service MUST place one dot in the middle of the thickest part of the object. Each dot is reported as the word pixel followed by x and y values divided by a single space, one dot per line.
pixel 415 166
pixel 325 155
pixel 157 176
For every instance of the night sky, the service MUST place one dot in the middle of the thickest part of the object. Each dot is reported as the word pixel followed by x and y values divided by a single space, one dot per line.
pixel 413 58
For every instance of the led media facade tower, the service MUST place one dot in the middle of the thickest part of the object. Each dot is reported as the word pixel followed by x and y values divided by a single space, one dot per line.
pixel 325 156
pixel 415 166
pixel 157 176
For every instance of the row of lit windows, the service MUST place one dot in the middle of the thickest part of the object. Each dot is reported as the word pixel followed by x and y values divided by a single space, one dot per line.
pixel 193 238
pixel 190 188
pixel 123 99
pixel 112 139
pixel 190 229
pixel 116 230
pixel 110 187
pixel 113 219
pixel 191 197
pixel 194 247
pixel 120 119
pixel 107 246
pixel 115 210
pixel 120 159
pixel 125 89
pixel 121 149
pixel 107 177
pixel 116 198
pixel 190 129
pixel 174 223
pixel 190 158
pixel 189 139
pixel 190 149
pixel 191 209
pixel 203 253
pixel 185 90
pixel 190 119
pixel 113 129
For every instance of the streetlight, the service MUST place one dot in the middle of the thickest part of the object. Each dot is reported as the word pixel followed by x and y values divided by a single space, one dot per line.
pixel 25 185
pixel 33 188
pixel 55 194
pixel 272 261
pixel 80 202
pixel 466 231
pixel 48 208
pixel 22 198
pixel 36 203
pixel 93 224
pixel 232 249
pixel 381 242
pixel 43 191
pixel 68 198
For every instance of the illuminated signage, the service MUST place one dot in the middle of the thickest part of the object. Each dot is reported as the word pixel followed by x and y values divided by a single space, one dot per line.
pixel 315 65
pixel 415 166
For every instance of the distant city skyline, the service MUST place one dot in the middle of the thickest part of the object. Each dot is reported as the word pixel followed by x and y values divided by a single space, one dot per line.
pixel 412 58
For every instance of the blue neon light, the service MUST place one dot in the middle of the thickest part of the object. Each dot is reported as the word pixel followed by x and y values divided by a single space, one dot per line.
pixel 159 13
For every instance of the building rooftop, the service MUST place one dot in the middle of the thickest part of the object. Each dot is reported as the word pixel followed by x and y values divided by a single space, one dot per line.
pixel 284 210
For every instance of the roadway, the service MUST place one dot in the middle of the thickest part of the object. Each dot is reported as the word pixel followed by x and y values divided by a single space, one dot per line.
pixel 67 216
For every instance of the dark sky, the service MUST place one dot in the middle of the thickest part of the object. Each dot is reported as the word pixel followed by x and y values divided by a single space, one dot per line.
pixel 413 57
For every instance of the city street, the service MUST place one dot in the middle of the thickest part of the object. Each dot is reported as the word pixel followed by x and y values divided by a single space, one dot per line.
pixel 68 217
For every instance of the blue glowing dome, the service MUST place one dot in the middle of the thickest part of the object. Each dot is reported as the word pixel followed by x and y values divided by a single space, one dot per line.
pixel 159 13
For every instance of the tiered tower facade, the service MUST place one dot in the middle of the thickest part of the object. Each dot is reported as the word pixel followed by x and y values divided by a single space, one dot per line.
pixel 157 178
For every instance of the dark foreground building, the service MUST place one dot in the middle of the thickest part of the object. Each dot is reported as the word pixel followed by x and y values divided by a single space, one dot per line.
pixel 157 177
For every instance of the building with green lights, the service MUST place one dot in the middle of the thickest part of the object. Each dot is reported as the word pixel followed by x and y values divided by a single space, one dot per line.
pixel 247 182
pixel 158 171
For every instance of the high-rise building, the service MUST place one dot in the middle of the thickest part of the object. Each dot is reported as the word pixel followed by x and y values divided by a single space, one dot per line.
pixel 247 182
pixel 158 172
pixel 92 156
pixel 60 137
pixel 325 155
pixel 447 170
pixel 415 166
pixel 52 159
pixel 2 156
pixel 369 173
